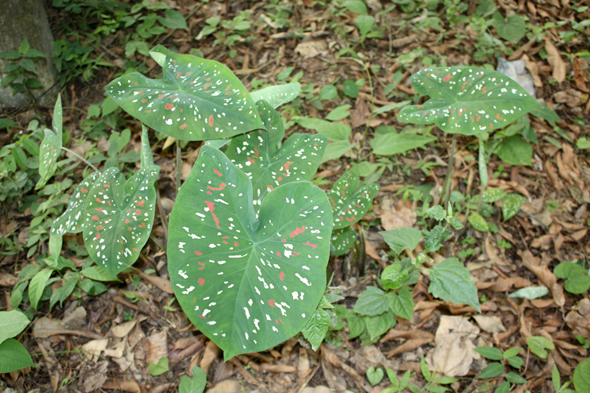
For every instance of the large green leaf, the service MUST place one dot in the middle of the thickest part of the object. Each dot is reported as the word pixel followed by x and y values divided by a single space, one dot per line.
pixel 277 95
pixel 12 323
pixel 450 281
pixel 118 217
pixel 401 238
pixel 268 166
pixel 14 356
pixel 51 146
pixel 73 218
pixel 467 100
pixel 582 376
pixel 349 202
pixel 247 282
pixel 196 99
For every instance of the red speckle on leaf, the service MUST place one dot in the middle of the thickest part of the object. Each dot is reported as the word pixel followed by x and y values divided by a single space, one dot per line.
pixel 211 121
pixel 491 126
pixel 472 119
pixel 351 219
pixel 137 211
pixel 447 78
pixel 478 118
pixel 296 252
pixel 198 253
pixel 97 235
pixel 220 188
pixel 141 225
pixel 135 249
pixel 98 209
pixel 144 100
pixel 83 190
pixel 279 254
pixel 283 240
pixel 209 192
pixel 217 172
pixel 211 207
pixel 287 165
pixel 202 264
pixel 280 178
pixel 140 203
pixel 202 316
pixel 282 276
pixel 201 281
pixel 126 221
pixel 312 245
pixel 129 229
pixel 236 244
pixel 98 200
pixel 271 302
pixel 498 117
pixel 160 95
pixel 297 231
pixel 251 160
pixel 95 218
pixel 169 106
pixel 182 126
pixel 207 86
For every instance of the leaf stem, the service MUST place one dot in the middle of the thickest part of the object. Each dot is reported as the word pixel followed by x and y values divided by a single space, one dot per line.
pixel 447 184
pixel 80 158
pixel 178 166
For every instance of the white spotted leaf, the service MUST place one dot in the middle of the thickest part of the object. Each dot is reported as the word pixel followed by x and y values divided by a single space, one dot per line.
pixel 349 202
pixel 258 154
pixel 73 218
pixel 467 100
pixel 196 99
pixel 277 95
pixel 342 240
pixel 51 147
pixel 316 329
pixel 247 282
pixel 118 217
pixel 511 205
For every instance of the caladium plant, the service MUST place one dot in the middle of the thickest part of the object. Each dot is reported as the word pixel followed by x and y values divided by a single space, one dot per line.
pixel 349 204
pixel 467 100
pixel 247 281
pixel 268 166
pixel 196 99
pixel 115 215
pixel 51 146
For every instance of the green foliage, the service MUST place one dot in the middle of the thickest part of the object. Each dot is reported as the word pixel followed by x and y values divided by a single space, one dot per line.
pixel 512 29
pixel 51 146
pixel 467 100
pixel 13 355
pixel 576 277
pixel 275 260
pixel 450 281
pixel 375 375
pixel 401 238
pixel 20 70
pixel 337 133
pixel 582 376
pixel 388 142
pixel 539 345
pixel 159 368
pixel 196 384
pixel 196 99
pixel 316 328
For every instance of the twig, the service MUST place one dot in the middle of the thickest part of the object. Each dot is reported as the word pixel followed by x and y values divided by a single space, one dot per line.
pixel 80 158
pixel 448 178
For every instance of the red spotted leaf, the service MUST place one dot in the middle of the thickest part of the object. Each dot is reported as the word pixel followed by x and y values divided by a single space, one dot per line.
pixel 349 202
pixel 467 100
pixel 268 166
pixel 50 147
pixel 247 282
pixel 196 99
pixel 73 219
pixel 119 216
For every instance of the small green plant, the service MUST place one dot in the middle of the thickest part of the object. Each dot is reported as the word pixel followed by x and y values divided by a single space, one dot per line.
pixel 159 368
pixel 194 384
pixel 497 368
pixel 575 275
pixel 20 71
pixel 13 355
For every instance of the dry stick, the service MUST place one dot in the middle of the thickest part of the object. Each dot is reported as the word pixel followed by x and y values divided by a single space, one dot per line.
pixel 447 185
pixel 80 158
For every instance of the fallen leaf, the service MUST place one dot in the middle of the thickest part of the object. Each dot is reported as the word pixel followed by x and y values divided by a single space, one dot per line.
pixel 93 377
pixel 92 349
pixel 157 346
pixel 312 48
pixel 490 324
pixel 123 329
pixel 555 60
pixel 116 351
pixel 211 353
pixel 454 352
pixel 124 385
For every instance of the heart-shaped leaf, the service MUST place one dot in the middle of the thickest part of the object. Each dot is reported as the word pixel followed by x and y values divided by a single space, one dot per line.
pixel 375 375
pixel 342 240
pixel 248 283
pixel 50 147
pixel 349 202
pixel 467 100
pixel 196 384
pixel 268 166
pixel 196 99
pixel 73 218
pixel 118 217
pixel 451 281
pixel 159 368
pixel 277 95
pixel 511 205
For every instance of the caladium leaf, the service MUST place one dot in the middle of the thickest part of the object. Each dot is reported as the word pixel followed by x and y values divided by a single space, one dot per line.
pixel 51 146
pixel 349 202
pixel 277 95
pixel 342 240
pixel 268 166
pixel 196 99
pixel 248 283
pixel 119 216
pixel 467 100
pixel 146 150
pixel 73 218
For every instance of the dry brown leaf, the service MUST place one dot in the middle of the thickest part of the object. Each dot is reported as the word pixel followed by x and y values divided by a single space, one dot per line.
pixel 227 386
pixel 210 354
pixel 361 115
pixel 409 345
pixel 312 48
pixel 555 60
pixel 371 356
pixel 570 97
pixel 159 282
pixel 490 324
pixel 277 368
pixel 92 349
pixel 303 369
pixel 492 253
pixel 454 352
pixel 7 280
pixel 93 377
pixel 157 346
pixel 580 77
pixel 124 385
pixel 116 351
pixel 123 329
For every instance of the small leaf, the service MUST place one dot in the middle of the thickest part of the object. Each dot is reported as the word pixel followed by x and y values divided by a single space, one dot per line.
pixel 513 29
pixel 503 388
pixel 437 212
pixel 489 353
pixel 62 293
pixel 97 273
pixel 173 20
pixel 225 261
pixel 332 131
pixel 14 356
pixel 335 150
pixel 349 202
pixel 356 325
pixel 375 375
pixel 403 306
pixel 392 376
pixel 493 195
pixel 365 23
pixel 450 281
pixel 196 384
pixel 539 345
pixel 393 276
pixel 73 218
pixel 37 286
pixel 467 100
pixel 582 376
pixel 277 95
pixel 478 222
pixel 358 7
pixel 147 158
pixel 530 292
pixel 376 326
pixel 48 155
pixel 556 378
pixel 373 301
pixel 577 285
pixel 12 323
pixel 511 205
pixel 196 99
pixel 350 89
pixel 425 370
pixel 316 328
pixel 516 362
pixel 492 370
pixel 391 143
pixel 328 92
pixel 511 352
pixel 159 368
pixel 514 377
pixel 342 240
pixel 567 270
pixel 339 113
pixel 515 151
pixel 402 238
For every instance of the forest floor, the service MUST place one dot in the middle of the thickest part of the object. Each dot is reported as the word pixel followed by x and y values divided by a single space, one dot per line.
pixel 106 342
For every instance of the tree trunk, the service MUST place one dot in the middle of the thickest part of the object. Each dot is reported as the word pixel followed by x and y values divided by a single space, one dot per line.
pixel 20 20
